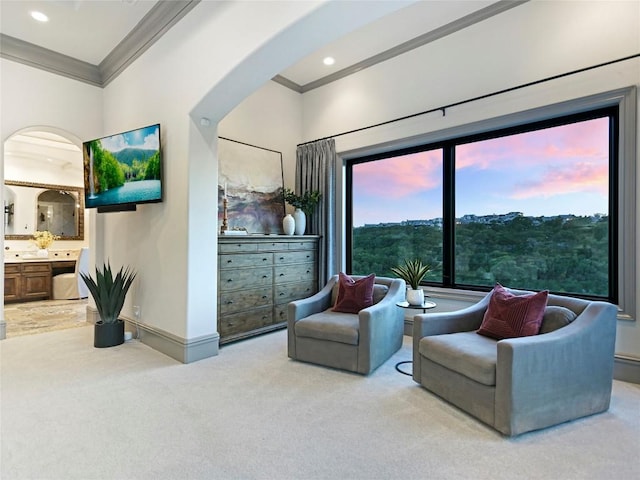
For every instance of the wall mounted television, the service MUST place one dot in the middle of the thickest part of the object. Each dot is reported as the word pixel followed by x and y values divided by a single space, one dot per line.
pixel 123 170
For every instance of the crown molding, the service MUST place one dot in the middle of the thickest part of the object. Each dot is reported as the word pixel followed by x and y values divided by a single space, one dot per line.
pixel 448 29
pixel 29 54
pixel 153 25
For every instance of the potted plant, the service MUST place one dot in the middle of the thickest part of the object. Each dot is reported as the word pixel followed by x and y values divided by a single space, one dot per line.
pixel 412 272
pixel 109 293
pixel 304 205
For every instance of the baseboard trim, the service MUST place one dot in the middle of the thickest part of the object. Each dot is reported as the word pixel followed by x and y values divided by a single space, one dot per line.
pixel 627 369
pixel 178 348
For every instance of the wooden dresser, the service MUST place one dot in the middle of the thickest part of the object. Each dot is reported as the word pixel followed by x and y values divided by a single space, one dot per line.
pixel 258 276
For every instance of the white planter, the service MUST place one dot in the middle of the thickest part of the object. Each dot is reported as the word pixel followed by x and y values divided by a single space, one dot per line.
pixel 42 252
pixel 301 221
pixel 415 297
pixel 288 224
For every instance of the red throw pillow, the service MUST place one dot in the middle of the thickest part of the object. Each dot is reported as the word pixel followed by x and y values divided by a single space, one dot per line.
pixel 511 316
pixel 354 295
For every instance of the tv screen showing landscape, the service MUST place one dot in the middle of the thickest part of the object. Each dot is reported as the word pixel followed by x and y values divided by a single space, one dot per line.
pixel 123 169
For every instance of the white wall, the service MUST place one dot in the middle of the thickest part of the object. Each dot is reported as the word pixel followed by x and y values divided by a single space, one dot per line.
pixel 203 67
pixel 524 44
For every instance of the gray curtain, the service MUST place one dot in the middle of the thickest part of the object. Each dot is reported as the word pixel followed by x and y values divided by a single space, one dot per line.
pixel 315 171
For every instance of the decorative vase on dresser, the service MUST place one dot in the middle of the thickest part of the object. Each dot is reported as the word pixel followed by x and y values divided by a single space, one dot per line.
pixel 301 221
pixel 288 224
pixel 257 277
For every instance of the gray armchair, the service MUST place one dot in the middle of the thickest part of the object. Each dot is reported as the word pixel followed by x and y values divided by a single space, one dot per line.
pixel 355 342
pixel 519 384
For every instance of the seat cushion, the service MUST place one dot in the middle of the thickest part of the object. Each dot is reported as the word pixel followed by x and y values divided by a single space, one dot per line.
pixel 330 326
pixel 466 353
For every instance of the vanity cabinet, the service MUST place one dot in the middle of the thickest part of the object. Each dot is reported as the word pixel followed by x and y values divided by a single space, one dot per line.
pixel 27 281
pixel 257 277
pixel 32 280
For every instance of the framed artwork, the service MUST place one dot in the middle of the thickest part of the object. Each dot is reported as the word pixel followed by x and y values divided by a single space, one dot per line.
pixel 251 177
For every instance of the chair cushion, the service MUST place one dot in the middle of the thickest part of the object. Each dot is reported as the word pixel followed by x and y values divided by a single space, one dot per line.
pixel 330 326
pixel 354 295
pixel 556 317
pixel 466 353
pixel 379 292
pixel 511 316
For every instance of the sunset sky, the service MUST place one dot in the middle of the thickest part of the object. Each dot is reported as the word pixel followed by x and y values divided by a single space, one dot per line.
pixel 561 170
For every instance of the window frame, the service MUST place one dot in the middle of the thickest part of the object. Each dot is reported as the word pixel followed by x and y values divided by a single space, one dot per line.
pixel 622 206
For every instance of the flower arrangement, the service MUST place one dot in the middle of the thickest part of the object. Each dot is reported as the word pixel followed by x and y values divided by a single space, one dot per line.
pixel 305 202
pixel 44 239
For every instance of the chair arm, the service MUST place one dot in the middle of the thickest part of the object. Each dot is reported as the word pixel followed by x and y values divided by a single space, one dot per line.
pixel 427 324
pixel 381 327
pixel 317 303
pixel 546 379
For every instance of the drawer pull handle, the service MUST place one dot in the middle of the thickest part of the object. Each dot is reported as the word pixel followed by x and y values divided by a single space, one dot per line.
pixel 264 296
pixel 281 258
pixel 229 302
pixel 229 261
pixel 308 271
pixel 265 276
pixel 281 275
pixel 281 294
pixel 264 317
pixel 229 280
pixel 264 259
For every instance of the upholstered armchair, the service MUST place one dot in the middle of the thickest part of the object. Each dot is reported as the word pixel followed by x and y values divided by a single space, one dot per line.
pixel 358 342
pixel 516 385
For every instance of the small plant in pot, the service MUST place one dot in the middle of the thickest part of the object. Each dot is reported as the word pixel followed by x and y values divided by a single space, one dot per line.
pixel 413 272
pixel 304 204
pixel 109 293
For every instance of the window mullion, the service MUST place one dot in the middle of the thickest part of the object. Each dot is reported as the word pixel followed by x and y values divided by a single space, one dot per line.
pixel 448 215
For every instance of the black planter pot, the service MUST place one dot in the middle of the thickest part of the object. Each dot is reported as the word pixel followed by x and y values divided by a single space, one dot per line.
pixel 108 334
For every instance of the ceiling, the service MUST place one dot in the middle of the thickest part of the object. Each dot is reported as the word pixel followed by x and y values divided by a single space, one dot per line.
pixel 109 45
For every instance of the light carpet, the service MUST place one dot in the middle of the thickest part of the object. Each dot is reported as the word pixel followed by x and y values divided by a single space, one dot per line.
pixel 44 316
pixel 71 411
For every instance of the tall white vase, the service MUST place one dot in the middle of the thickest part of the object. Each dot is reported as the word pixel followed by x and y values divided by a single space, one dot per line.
pixel 288 224
pixel 415 297
pixel 301 221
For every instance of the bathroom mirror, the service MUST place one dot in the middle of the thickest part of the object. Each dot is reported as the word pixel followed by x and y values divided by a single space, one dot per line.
pixel 44 182
pixel 30 207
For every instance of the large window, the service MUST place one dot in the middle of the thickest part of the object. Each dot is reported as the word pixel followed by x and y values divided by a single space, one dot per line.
pixel 531 207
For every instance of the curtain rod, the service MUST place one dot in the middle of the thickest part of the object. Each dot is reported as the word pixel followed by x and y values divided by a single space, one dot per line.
pixel 444 108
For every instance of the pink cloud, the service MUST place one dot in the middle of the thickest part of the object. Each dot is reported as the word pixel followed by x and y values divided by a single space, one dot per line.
pixel 399 176
pixel 576 142
pixel 583 177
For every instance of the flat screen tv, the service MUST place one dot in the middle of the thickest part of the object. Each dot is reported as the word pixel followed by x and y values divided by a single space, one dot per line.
pixel 123 170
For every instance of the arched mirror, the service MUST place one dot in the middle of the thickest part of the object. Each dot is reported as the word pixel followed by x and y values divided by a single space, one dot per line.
pixel 43 187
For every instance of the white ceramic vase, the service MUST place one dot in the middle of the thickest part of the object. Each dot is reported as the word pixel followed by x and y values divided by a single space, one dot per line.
pixel 301 221
pixel 288 224
pixel 415 297
pixel 43 253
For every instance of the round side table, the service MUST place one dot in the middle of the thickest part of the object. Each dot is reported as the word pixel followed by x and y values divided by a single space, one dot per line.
pixel 426 305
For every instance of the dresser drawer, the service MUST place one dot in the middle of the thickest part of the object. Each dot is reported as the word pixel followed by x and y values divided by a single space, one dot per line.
pixel 245 278
pixel 308 256
pixel 287 292
pixel 245 321
pixel 245 260
pixel 11 268
pixel 273 246
pixel 280 313
pixel 295 273
pixel 36 268
pixel 303 245
pixel 237 247
pixel 245 300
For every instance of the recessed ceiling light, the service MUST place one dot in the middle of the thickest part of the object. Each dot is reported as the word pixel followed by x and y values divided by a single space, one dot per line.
pixel 329 61
pixel 39 16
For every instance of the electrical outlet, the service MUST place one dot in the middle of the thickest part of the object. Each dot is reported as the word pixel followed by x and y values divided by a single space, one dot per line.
pixel 136 312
